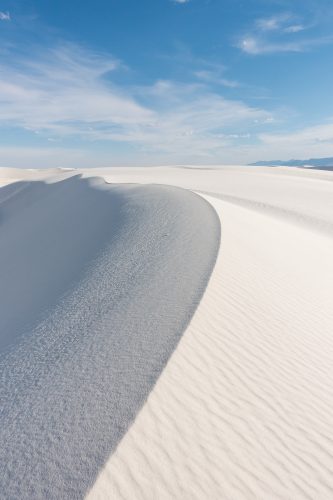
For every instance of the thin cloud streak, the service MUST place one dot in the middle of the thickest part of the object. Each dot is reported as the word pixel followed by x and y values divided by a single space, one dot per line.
pixel 215 78
pixel 295 28
pixel 4 16
pixel 74 97
pixel 73 100
pixel 315 135
pixel 257 46
pixel 279 33
pixel 273 23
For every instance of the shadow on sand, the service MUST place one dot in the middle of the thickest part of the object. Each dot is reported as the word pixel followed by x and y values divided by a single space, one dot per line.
pixel 97 284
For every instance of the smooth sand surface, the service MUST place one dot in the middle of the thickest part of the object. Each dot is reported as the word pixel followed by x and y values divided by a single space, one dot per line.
pixel 243 408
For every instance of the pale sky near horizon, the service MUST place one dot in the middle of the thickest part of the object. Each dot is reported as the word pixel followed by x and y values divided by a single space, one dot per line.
pixel 143 82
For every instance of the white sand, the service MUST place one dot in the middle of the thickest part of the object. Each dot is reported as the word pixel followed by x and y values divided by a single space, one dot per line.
pixel 97 285
pixel 244 406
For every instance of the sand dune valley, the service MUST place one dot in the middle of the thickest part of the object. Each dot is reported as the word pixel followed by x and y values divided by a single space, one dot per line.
pixel 166 333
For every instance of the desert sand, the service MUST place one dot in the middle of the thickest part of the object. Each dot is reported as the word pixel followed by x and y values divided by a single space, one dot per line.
pixel 167 335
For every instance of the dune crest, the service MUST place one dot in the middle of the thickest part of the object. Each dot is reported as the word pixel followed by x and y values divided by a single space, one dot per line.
pixel 97 286
pixel 134 378
pixel 243 409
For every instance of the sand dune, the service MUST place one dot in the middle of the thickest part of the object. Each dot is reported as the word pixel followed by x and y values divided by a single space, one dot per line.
pixel 242 408
pixel 97 285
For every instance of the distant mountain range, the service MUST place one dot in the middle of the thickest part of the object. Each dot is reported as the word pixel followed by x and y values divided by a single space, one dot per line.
pixel 313 162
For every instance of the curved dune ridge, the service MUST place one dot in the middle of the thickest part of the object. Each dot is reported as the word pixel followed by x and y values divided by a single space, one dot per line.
pixel 244 408
pixel 239 401
pixel 97 284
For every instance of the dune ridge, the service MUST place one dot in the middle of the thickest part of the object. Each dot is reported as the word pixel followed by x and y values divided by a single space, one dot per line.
pixel 97 286
pixel 316 223
pixel 243 409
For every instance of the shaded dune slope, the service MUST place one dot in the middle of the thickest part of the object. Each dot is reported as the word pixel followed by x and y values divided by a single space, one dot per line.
pixel 243 410
pixel 97 284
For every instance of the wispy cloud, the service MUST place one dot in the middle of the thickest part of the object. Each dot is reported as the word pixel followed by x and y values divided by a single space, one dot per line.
pixel 279 33
pixel 283 23
pixel 215 77
pixel 294 28
pixel 180 1
pixel 64 90
pixel 4 16
pixel 196 120
pixel 316 141
pixel 67 93
pixel 309 136
pixel 204 69
pixel 33 157
pixel 308 142
pixel 257 45
pixel 272 23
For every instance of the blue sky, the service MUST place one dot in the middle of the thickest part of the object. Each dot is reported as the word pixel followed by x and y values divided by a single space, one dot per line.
pixel 143 82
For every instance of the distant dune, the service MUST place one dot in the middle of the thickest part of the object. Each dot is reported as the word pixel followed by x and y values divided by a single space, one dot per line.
pixel 168 335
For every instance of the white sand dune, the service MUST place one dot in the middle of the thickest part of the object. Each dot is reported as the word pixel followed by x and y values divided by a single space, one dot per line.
pixel 244 406
pixel 97 285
